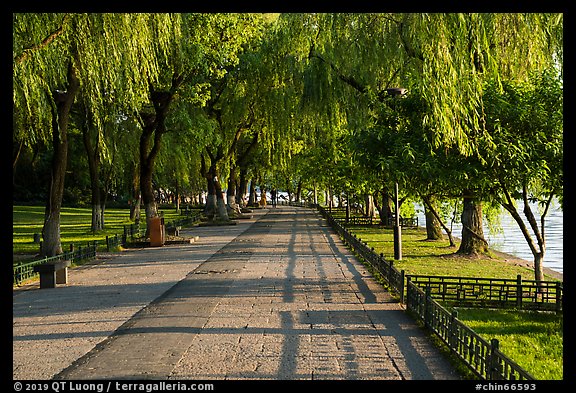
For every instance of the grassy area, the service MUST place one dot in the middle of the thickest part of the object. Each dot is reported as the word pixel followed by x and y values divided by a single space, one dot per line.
pixel 534 340
pixel 74 226
pixel 421 256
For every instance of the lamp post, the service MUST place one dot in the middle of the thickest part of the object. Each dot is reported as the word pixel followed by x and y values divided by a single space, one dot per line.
pixel 397 227
pixel 397 92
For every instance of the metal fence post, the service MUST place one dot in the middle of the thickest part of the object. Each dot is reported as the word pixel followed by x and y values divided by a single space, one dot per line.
pixel 519 291
pixel 452 343
pixel 559 297
pixel 494 369
pixel 402 275
pixel 427 307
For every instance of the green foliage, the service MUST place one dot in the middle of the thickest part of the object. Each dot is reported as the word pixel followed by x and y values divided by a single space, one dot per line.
pixel 526 128
pixel 116 57
pixel 353 58
pixel 313 88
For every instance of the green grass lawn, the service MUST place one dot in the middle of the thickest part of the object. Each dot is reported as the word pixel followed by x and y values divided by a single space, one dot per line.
pixel 74 226
pixel 534 340
pixel 421 256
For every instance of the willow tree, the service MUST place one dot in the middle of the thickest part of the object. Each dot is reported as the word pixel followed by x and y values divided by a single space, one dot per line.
pixel 353 59
pixel 197 74
pixel 526 125
pixel 107 57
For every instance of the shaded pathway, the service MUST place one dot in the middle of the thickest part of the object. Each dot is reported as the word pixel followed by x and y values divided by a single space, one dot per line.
pixel 284 300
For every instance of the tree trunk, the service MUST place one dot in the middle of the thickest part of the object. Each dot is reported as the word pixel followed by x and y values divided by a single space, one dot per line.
pixel 135 194
pixel 252 193
pixel 221 210
pixel 315 193
pixel 538 250
pixel 299 191
pixel 433 224
pixel 240 196
pixel 51 244
pixel 431 209
pixel 370 210
pixel 233 209
pixel 215 203
pixel 210 209
pixel 154 124
pixel 146 168
pixel 93 157
pixel 473 241
pixel 177 195
pixel 385 209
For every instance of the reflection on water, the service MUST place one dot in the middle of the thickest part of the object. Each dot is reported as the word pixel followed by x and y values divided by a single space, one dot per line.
pixel 510 239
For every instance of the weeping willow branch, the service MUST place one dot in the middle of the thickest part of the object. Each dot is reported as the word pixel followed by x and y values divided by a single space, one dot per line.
pixel 45 42
pixel 350 80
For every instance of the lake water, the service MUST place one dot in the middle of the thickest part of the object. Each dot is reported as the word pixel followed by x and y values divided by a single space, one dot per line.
pixel 510 239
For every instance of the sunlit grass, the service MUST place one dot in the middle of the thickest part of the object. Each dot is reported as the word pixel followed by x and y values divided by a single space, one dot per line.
pixel 534 340
pixel 74 226
pixel 421 256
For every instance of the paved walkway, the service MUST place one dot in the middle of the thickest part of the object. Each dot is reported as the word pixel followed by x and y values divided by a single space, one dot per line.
pixel 275 297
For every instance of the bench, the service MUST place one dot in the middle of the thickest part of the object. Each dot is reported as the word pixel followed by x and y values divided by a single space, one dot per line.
pixel 53 273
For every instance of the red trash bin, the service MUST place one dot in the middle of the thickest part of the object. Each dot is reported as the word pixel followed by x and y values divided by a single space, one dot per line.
pixel 157 231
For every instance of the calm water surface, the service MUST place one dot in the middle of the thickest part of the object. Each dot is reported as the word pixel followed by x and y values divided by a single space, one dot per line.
pixel 510 239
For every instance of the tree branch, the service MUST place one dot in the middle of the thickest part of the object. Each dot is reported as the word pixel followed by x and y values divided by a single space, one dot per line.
pixel 531 219
pixel 45 42
pixel 350 80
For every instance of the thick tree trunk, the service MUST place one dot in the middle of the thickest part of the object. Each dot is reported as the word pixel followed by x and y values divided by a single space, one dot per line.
pixel 221 210
pixel 473 241
pixel 240 196
pixel 370 210
pixel 210 209
pixel 146 168
pixel 385 208
pixel 215 203
pixel 148 198
pixel 433 224
pixel 299 191
pixel 233 209
pixel 51 244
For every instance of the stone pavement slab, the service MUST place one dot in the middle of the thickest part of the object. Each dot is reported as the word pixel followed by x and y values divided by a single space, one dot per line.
pixel 54 327
pixel 283 300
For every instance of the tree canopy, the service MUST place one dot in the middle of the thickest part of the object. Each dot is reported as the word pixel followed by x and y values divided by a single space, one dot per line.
pixel 304 97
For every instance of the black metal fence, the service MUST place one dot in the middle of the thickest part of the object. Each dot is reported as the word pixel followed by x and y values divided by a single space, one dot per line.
pixel 493 292
pixel 23 271
pixel 419 293
pixel 354 219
